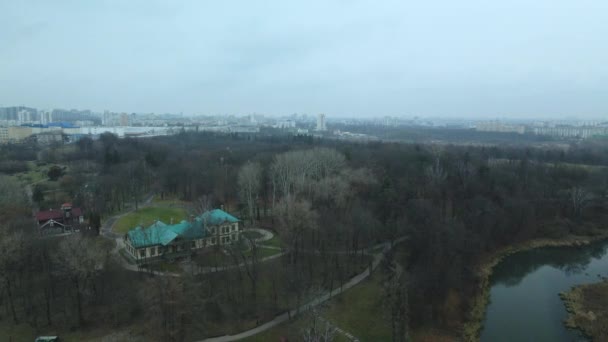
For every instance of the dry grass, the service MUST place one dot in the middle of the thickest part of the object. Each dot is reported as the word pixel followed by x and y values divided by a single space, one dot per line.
pixel 588 308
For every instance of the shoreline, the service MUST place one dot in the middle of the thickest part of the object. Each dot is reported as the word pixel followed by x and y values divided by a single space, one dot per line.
pixel 582 314
pixel 472 326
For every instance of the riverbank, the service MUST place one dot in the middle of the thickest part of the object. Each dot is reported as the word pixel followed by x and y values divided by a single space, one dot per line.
pixel 473 325
pixel 587 307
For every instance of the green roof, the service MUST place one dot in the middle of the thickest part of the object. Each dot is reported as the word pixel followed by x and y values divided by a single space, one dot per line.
pixel 218 216
pixel 159 233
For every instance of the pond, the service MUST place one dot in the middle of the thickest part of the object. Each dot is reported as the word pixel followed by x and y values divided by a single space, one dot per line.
pixel 524 295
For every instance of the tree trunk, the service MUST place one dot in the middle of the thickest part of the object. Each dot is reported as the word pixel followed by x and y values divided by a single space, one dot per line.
pixel 79 303
pixel 10 300
pixel 47 300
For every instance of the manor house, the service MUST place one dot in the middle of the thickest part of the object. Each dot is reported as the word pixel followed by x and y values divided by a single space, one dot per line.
pixel 168 241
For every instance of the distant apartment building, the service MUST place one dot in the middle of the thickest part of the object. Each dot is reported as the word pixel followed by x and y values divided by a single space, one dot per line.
pixel 3 135
pixel 498 126
pixel 45 117
pixel 13 113
pixel 124 119
pixel 73 115
pixel 286 124
pixel 24 116
pixel 321 123
pixel 571 131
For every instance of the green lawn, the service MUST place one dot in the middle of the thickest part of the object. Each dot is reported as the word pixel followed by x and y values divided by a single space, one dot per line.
pixel 212 258
pixel 24 332
pixel 360 312
pixel 252 234
pixel 166 266
pixel 146 216
pixel 264 252
pixel 274 242
pixel 168 201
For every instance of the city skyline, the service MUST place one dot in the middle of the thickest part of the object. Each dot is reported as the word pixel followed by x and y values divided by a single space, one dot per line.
pixel 468 59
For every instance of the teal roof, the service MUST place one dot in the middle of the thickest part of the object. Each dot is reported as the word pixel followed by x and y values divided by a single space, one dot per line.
pixel 218 216
pixel 160 233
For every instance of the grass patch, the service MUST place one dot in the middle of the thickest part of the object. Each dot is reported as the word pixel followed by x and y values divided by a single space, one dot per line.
pixel 587 307
pixel 165 266
pixel 25 332
pixel 168 201
pixel 105 244
pixel 146 216
pixel 21 332
pixel 214 257
pixel 274 242
pixel 264 252
pixel 252 234
pixel 360 312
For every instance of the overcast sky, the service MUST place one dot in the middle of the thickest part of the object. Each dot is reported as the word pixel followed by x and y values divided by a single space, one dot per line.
pixel 465 58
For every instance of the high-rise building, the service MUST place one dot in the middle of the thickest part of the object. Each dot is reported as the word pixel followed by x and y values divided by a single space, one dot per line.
pixel 24 116
pixel 45 117
pixel 106 119
pixel 124 119
pixel 321 122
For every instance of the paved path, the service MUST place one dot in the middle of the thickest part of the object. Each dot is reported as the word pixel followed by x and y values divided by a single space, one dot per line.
pixel 320 299
pixel 266 234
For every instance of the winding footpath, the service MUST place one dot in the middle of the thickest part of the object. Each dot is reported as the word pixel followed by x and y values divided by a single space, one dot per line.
pixel 311 304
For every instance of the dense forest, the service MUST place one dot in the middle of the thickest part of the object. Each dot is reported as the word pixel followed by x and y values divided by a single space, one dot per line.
pixel 329 201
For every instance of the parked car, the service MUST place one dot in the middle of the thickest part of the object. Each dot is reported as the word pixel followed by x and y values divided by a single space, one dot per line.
pixel 47 339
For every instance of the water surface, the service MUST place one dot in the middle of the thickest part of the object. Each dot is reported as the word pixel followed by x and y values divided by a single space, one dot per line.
pixel 524 302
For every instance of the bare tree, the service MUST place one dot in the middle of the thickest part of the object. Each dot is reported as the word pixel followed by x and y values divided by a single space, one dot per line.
pixel 295 172
pixel 579 199
pixel 395 298
pixel 436 174
pixel 319 329
pixel 295 217
pixel 204 203
pixel 12 247
pixel 250 183
pixel 13 199
pixel 79 259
